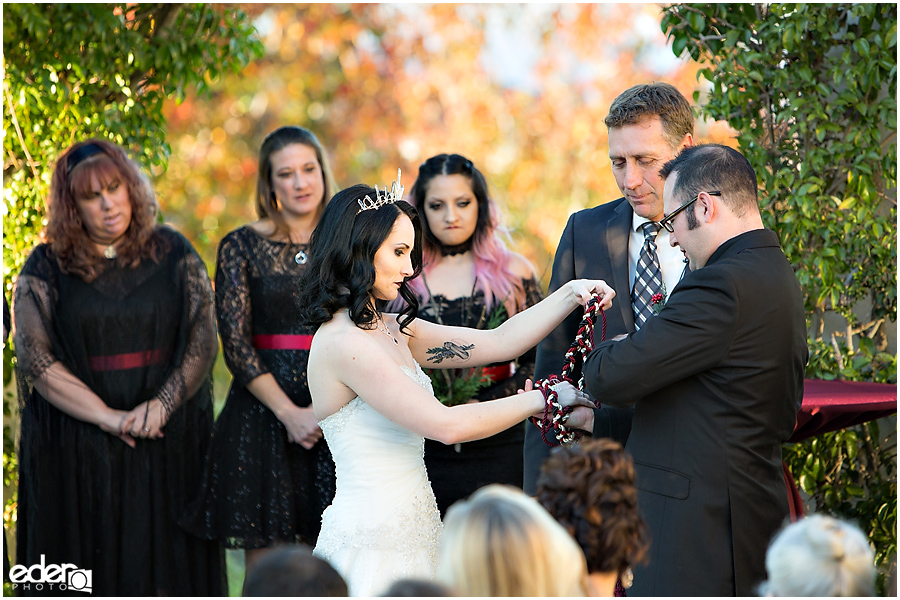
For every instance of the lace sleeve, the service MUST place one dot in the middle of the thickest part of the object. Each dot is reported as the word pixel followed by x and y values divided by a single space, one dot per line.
pixel 199 330
pixel 38 365
pixel 233 311
pixel 31 319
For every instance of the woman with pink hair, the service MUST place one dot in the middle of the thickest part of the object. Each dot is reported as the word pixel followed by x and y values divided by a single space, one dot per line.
pixel 470 279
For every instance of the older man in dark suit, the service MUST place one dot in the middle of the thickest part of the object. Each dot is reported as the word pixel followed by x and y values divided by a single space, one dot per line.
pixel 620 241
pixel 716 380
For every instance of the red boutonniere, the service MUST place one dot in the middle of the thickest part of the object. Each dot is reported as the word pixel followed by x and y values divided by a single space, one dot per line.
pixel 657 301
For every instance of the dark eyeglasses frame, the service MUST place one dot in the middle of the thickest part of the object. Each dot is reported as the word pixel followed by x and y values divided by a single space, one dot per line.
pixel 666 221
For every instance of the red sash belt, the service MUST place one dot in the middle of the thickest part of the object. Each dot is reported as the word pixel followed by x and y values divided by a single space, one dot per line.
pixel 130 360
pixel 501 372
pixel 282 342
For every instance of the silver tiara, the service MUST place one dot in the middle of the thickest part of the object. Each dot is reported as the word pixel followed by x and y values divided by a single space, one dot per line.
pixel 382 197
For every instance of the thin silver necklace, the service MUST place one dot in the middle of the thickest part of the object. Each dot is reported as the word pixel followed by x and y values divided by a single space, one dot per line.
pixel 383 328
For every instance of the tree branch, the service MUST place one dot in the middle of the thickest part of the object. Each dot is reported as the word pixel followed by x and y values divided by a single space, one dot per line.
pixel 871 326
pixel 200 21
pixel 707 38
pixel 714 19
pixel 164 18
pixel 12 112
pixel 837 353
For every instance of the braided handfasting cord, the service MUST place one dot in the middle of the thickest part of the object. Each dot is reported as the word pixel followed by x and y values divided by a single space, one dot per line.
pixel 555 415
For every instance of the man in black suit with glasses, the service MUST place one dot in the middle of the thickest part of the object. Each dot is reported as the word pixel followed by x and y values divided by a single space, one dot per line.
pixel 716 380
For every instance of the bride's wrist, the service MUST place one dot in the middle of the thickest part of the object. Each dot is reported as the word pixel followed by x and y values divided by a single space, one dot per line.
pixel 536 401
pixel 573 297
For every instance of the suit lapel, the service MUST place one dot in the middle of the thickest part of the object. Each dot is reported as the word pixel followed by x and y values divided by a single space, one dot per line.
pixel 617 230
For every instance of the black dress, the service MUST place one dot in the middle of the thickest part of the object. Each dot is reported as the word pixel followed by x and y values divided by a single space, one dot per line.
pixel 85 497
pixel 457 470
pixel 258 487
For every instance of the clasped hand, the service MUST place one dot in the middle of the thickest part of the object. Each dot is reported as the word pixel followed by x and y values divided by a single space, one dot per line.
pixel 146 420
pixel 567 395
pixel 585 289
pixel 302 427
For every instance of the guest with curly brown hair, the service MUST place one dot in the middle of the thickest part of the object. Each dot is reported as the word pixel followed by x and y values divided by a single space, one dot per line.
pixel 589 489
pixel 115 337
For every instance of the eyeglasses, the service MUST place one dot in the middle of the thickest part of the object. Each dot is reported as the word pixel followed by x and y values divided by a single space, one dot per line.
pixel 666 221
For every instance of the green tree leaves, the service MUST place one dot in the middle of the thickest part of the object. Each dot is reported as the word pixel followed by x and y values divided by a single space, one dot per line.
pixel 73 71
pixel 106 72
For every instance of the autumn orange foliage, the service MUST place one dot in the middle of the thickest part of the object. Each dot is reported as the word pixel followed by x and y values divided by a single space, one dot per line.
pixel 387 86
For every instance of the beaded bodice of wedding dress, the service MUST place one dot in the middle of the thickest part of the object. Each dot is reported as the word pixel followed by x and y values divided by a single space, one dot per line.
pixel 383 524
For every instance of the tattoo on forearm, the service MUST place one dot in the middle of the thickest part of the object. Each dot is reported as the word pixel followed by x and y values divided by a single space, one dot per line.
pixel 449 350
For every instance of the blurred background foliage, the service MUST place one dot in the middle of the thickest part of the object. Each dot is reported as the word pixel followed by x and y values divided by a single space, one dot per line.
pixel 192 89
pixel 522 91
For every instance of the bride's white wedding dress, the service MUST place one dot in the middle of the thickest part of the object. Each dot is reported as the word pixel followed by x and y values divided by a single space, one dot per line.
pixel 383 524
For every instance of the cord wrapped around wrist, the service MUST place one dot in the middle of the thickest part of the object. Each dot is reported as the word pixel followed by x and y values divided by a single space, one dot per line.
pixel 555 415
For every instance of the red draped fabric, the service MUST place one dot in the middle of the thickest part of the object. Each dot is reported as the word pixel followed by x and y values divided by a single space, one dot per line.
pixel 832 405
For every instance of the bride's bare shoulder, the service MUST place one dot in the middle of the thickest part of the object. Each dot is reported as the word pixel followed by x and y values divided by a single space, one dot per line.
pixel 339 330
pixel 340 342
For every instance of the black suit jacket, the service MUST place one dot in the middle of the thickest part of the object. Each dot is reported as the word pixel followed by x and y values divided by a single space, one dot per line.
pixel 594 245
pixel 716 380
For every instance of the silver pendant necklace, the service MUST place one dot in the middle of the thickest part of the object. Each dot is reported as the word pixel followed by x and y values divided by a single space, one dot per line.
pixel 300 258
pixel 383 328
pixel 110 251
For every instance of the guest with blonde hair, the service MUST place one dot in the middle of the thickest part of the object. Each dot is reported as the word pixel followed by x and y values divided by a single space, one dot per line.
pixel 819 556
pixel 501 542
pixel 268 474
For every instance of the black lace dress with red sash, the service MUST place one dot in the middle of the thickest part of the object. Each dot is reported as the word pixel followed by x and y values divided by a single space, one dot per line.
pixel 85 497
pixel 457 470
pixel 259 488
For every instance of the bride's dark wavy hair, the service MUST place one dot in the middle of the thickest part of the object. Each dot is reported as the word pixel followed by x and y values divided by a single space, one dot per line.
pixel 341 269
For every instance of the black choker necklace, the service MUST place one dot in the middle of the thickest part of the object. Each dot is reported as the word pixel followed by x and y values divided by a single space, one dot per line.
pixel 458 249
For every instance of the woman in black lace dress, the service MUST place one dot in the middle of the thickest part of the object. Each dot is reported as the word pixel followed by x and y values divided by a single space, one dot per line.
pixel 269 474
pixel 115 337
pixel 470 279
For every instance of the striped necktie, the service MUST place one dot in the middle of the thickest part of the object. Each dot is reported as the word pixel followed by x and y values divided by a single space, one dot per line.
pixel 647 277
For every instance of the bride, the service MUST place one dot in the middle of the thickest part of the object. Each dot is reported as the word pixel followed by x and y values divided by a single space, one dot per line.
pixel 373 401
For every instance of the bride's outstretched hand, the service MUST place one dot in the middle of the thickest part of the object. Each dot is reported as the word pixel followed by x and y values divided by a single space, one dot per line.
pixel 585 289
